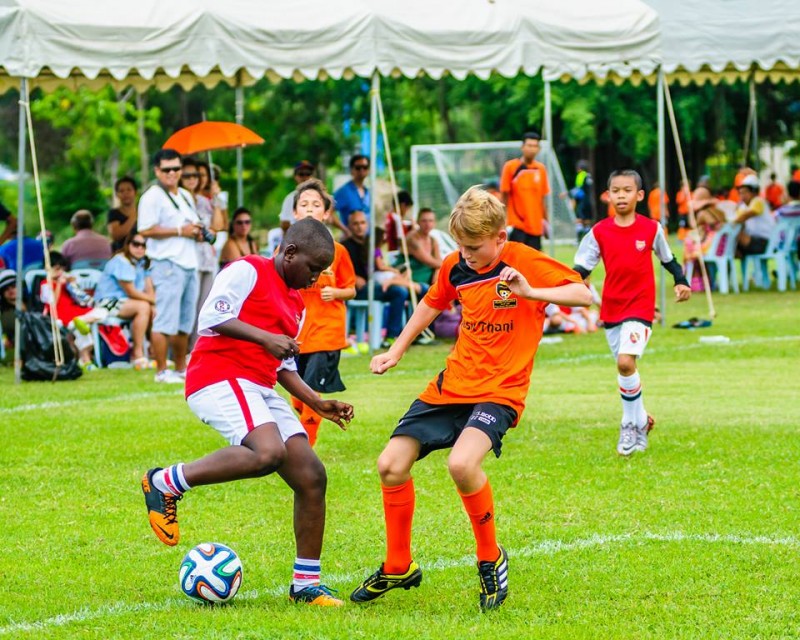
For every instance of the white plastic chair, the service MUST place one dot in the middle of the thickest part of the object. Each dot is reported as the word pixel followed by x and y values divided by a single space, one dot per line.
pixel 778 249
pixel 721 254
pixel 87 279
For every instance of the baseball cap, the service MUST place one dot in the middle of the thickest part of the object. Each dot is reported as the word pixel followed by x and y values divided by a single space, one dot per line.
pixel 7 278
pixel 303 164
pixel 750 181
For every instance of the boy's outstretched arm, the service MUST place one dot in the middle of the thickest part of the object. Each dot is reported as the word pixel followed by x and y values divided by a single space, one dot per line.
pixel 572 294
pixel 339 412
pixel 422 317
pixel 668 260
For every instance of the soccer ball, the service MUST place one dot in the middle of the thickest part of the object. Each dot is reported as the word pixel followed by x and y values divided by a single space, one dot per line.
pixel 211 573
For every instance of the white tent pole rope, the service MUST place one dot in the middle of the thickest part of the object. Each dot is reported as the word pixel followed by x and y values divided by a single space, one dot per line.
pixel 58 350
pixel 396 203
pixel 747 130
pixel 691 216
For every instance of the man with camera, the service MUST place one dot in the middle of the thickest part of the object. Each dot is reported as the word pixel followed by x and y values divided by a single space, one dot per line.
pixel 167 217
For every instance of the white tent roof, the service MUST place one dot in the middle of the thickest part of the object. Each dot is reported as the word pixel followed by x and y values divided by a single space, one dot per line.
pixel 712 40
pixel 188 41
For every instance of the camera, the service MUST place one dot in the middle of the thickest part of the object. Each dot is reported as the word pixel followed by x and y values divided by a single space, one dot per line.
pixel 208 235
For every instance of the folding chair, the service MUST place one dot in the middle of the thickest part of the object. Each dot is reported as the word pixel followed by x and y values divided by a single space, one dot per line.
pixel 778 249
pixel 721 255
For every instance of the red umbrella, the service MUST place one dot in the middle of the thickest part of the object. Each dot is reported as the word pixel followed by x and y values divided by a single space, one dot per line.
pixel 209 136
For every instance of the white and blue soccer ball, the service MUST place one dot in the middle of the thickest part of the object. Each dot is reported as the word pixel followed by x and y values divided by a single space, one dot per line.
pixel 211 573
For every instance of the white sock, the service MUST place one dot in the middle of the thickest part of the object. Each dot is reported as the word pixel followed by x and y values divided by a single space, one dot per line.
pixel 171 480
pixel 630 390
pixel 306 572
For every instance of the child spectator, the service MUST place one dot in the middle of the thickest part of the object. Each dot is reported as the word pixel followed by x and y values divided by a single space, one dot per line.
pixel 480 394
pixel 247 327
pixel 624 244
pixel 323 334
pixel 126 291
pixel 73 307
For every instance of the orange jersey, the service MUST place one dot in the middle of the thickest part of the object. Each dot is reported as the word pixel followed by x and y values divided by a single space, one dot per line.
pixel 682 200
pixel 526 187
pixel 653 204
pixel 324 325
pixel 493 356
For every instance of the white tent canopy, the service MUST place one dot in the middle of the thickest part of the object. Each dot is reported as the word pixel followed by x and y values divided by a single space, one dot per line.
pixel 188 41
pixel 713 40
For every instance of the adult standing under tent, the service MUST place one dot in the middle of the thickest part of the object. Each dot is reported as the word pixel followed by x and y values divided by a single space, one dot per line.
pixel 524 186
pixel 167 218
pixel 353 195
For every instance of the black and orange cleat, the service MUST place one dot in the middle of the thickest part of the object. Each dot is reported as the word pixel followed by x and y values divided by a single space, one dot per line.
pixel 317 594
pixel 379 583
pixel 162 510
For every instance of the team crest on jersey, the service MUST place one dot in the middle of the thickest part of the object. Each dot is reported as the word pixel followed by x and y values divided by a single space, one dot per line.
pixel 223 306
pixel 635 337
pixel 640 245
pixel 505 301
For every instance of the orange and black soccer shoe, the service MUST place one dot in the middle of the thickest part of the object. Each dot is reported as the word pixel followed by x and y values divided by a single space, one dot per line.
pixel 162 509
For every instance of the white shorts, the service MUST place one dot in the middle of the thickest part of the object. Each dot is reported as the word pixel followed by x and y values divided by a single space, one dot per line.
pixel 236 407
pixel 629 338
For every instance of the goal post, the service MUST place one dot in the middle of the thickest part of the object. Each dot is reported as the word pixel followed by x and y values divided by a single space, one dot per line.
pixel 440 173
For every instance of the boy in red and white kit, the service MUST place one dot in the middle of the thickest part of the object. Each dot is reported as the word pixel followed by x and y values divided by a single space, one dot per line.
pixel 247 327
pixel 625 243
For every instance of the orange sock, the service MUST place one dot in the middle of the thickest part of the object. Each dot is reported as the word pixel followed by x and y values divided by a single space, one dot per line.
pixel 480 509
pixel 398 510
pixel 297 405
pixel 310 420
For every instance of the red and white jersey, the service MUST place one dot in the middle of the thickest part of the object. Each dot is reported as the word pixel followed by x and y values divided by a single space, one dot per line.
pixel 251 290
pixel 629 291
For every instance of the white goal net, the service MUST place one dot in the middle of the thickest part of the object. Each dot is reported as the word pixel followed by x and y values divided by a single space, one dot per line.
pixel 440 173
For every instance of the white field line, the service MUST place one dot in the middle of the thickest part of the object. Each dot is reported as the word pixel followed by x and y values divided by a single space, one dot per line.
pixel 84 401
pixel 540 548
pixel 606 355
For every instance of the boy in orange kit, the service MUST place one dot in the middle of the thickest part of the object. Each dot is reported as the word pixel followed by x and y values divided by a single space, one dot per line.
pixel 503 288
pixel 323 335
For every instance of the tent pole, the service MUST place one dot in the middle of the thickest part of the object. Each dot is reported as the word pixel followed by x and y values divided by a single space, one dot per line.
pixel 373 157
pixel 548 134
pixel 23 97
pixel 239 150
pixel 662 181
pixel 754 112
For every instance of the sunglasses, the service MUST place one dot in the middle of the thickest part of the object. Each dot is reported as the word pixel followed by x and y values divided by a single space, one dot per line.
pixel 138 245
pixel 191 175
pixel 169 169
pixel 361 167
pixel 304 174
pixel 243 222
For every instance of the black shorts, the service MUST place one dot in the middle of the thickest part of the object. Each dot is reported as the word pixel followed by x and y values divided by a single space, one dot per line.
pixel 437 426
pixel 518 235
pixel 757 245
pixel 320 371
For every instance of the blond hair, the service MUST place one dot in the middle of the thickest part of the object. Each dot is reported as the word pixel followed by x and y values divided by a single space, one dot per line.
pixel 477 214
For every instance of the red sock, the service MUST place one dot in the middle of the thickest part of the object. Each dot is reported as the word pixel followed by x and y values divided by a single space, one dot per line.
pixel 480 509
pixel 310 420
pixel 398 510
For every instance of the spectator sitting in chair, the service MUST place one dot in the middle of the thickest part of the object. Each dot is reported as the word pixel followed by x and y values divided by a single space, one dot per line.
pixel 11 223
pixel 8 302
pixel 74 307
pixel 126 291
pixel 424 254
pixel 32 253
pixel 86 244
pixel 758 220
pixel 357 246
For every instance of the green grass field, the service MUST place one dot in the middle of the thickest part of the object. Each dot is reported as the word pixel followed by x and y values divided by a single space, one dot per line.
pixel 696 538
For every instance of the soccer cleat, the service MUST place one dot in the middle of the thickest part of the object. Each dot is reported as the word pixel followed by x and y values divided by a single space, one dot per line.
pixel 162 509
pixel 494 581
pixel 316 594
pixel 627 439
pixel 379 583
pixel 641 433
pixel 168 376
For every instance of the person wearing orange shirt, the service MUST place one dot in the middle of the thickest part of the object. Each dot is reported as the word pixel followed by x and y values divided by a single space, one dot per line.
pixel 323 334
pixel 503 288
pixel 738 179
pixel 654 204
pixel 774 193
pixel 682 202
pixel 524 187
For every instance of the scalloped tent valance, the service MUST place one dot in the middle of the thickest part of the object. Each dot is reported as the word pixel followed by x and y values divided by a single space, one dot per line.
pixel 198 41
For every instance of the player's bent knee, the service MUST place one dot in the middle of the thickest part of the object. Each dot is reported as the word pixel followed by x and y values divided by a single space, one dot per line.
pixel 391 469
pixel 267 461
pixel 461 469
